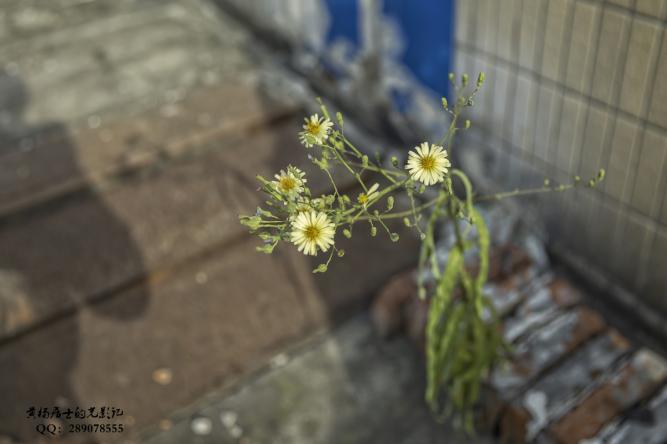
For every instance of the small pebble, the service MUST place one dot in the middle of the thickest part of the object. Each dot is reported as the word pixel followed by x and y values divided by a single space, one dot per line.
pixel 236 431
pixel 201 278
pixel 279 360
pixel 229 419
pixel 163 376
pixel 201 425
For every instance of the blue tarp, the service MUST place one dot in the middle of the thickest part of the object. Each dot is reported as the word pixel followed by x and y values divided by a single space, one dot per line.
pixel 427 29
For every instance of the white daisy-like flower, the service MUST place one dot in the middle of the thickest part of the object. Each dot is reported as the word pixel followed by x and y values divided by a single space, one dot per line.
pixel 369 195
pixel 290 182
pixel 428 163
pixel 315 130
pixel 312 230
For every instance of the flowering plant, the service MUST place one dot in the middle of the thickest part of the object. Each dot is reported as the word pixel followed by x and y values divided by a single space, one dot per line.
pixel 464 340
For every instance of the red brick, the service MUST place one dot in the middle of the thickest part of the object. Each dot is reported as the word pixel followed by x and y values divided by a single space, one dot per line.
pixel 636 380
pixel 560 387
pixel 544 347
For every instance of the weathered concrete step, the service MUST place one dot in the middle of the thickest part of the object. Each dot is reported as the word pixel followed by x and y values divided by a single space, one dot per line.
pixel 113 60
pixel 98 18
pixel 347 387
pixel 59 256
pixel 24 19
pixel 56 161
pixel 208 323
pixel 120 50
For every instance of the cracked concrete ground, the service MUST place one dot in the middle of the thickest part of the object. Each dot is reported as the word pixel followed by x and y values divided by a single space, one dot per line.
pixel 349 386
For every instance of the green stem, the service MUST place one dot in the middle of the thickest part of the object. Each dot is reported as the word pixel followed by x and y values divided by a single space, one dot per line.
pixel 386 173
pixel 524 192
pixel 354 149
pixel 379 196
pixel 407 212
pixel 347 166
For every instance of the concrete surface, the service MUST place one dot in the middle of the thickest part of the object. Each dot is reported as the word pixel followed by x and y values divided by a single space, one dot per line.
pixel 346 387
pixel 130 135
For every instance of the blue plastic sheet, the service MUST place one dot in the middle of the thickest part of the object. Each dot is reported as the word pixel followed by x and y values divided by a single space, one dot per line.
pixel 426 27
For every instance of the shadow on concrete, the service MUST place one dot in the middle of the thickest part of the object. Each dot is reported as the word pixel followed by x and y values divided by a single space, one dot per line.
pixel 39 252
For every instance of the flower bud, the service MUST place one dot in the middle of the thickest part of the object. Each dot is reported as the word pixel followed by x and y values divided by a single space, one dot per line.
pixel 321 268
pixel 467 124
pixel 262 179
pixel 394 237
pixel 390 203
pixel 394 161
pixel 341 253
pixel 364 160
pixel 374 231
pixel 480 79
pixel 347 233
pixel 251 222
pixel 464 79
pixel 267 249
pixel 339 117
pixel 444 103
pixel 407 222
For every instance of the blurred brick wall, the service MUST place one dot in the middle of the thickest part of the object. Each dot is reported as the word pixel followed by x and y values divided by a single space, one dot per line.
pixel 575 85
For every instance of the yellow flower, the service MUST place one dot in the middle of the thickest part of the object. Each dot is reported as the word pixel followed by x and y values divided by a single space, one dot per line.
pixel 312 230
pixel 428 163
pixel 290 182
pixel 315 130
pixel 369 195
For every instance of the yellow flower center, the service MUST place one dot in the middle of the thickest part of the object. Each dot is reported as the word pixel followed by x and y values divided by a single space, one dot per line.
pixel 313 128
pixel 362 198
pixel 287 183
pixel 428 162
pixel 312 233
